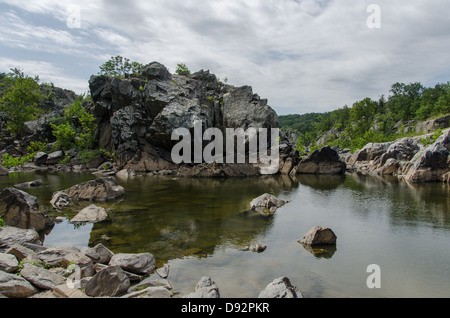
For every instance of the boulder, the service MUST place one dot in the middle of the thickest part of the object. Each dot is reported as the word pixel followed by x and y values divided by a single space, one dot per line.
pixel 319 236
pixel 40 277
pixel 280 288
pixel 22 252
pixel 141 264
pixel 90 214
pixel 60 200
pixel 163 271
pixel 266 203
pixel 14 286
pixel 324 161
pixel 99 190
pixel 109 282
pixel 54 256
pixel 55 157
pixel 9 236
pixel 40 158
pixel 8 263
pixel 99 254
pixel 19 209
pixel 205 288
pixel 31 184
pixel 155 71
pixel 432 163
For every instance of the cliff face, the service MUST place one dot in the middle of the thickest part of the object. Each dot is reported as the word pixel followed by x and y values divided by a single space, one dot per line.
pixel 138 115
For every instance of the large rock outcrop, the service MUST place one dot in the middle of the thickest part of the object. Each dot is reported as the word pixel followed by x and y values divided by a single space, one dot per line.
pixel 408 158
pixel 20 209
pixel 138 115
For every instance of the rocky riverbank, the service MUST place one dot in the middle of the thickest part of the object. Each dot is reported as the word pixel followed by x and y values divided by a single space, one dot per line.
pixel 30 269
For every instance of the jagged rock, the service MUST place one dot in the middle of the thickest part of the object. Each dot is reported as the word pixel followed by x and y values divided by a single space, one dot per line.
pixel 205 288
pixel 155 71
pixel 109 282
pixel 55 157
pixel 99 190
pixel 324 161
pixel 216 170
pixel 22 252
pixel 141 264
pixel 40 277
pixel 55 256
pixel 90 214
pixel 14 286
pixel 40 158
pixel 60 200
pixel 99 254
pixel 9 236
pixel 8 263
pixel 19 209
pixel 319 236
pixel 280 288
pixel 431 163
pixel 266 203
pixel 163 271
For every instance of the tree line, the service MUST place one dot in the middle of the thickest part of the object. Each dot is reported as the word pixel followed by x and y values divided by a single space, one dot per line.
pixel 370 120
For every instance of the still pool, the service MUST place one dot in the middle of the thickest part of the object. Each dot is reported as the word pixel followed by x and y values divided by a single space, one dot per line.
pixel 199 227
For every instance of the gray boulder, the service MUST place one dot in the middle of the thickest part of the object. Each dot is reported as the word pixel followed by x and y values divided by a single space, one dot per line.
pixel 13 286
pixel 54 256
pixel 90 214
pixel 325 161
pixel 141 264
pixel 280 288
pixel 267 204
pixel 99 254
pixel 99 190
pixel 319 235
pixel 155 71
pixel 205 288
pixel 8 263
pixel 40 277
pixel 109 282
pixel 9 236
pixel 19 209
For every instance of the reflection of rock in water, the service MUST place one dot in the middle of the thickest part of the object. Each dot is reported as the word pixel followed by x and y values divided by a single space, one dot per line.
pixel 321 182
pixel 321 251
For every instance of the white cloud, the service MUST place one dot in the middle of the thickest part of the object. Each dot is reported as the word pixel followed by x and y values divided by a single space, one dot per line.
pixel 303 55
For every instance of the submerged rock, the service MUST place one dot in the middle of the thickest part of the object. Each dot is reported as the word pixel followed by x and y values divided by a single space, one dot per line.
pixel 319 235
pixel 90 214
pixel 280 288
pixel 267 204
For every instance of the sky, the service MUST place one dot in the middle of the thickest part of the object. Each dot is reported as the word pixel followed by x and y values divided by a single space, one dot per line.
pixel 302 55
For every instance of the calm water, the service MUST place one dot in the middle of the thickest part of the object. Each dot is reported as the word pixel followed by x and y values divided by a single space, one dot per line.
pixel 199 226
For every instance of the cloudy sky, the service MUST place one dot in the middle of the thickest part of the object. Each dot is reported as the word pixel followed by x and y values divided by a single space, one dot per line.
pixel 303 55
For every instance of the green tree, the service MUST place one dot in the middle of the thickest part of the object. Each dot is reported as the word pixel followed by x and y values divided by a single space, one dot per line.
pixel 182 69
pixel 21 96
pixel 119 66
pixel 77 129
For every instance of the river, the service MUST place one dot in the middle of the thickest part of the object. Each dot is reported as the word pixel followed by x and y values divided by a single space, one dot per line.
pixel 199 227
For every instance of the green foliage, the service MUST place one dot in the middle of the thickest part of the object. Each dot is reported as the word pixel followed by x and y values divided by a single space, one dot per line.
pixel 2 223
pixel 77 129
pixel 369 120
pixel 182 69
pixel 21 96
pixel 12 162
pixel 119 66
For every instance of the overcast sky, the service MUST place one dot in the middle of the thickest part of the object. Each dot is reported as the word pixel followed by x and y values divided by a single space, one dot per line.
pixel 302 55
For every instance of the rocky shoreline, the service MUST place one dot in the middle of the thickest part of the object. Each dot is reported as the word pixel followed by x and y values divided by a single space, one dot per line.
pixel 29 269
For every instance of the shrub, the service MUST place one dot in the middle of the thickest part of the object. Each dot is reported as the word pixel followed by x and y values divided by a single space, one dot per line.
pixel 2 223
pixel 182 69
